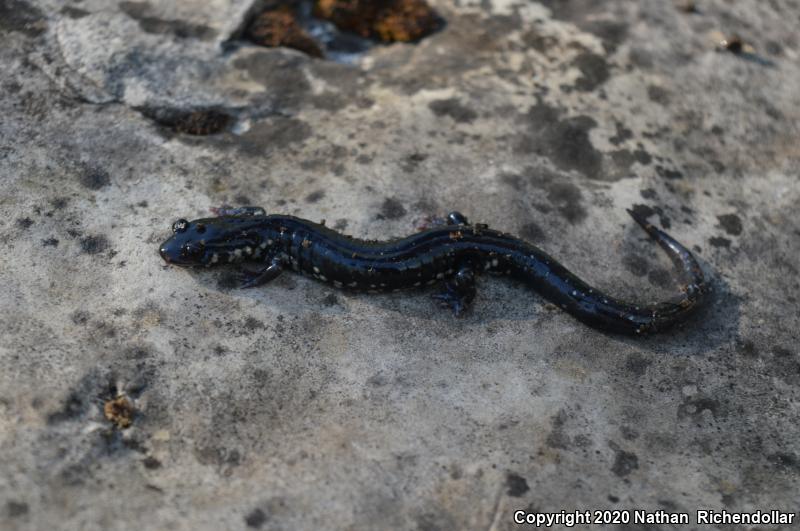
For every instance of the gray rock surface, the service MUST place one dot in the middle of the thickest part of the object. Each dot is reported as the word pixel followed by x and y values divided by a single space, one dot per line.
pixel 296 406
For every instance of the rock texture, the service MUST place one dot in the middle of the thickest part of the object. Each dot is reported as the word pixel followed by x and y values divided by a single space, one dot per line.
pixel 137 396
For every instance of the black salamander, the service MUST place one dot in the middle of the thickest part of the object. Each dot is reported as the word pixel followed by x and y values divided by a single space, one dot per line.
pixel 452 255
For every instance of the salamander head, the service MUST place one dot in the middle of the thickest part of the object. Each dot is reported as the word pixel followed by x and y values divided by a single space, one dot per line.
pixel 205 242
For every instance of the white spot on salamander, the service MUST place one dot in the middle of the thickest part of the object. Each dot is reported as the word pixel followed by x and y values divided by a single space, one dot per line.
pixel 316 269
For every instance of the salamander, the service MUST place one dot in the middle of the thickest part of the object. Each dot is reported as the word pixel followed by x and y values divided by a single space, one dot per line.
pixel 451 255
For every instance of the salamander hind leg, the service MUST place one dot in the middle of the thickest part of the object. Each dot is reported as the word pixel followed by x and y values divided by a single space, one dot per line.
pixel 458 292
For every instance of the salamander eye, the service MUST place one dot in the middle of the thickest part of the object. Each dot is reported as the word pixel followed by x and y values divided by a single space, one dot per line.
pixel 200 228
pixel 180 226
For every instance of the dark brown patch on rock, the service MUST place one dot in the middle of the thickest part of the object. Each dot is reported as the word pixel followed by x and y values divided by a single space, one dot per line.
pixel 198 122
pixel 391 209
pixel 255 518
pixel 275 133
pixel 517 485
pixel 381 20
pixel 625 463
pixel 731 223
pixel 94 244
pixel 594 71
pixel 564 141
pixel 95 178
pixel 279 27
pixel 454 109
pixel 119 411
pixel 719 241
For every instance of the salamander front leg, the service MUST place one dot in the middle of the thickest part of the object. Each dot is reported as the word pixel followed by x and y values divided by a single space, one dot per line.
pixel 453 218
pixel 271 272
pixel 458 292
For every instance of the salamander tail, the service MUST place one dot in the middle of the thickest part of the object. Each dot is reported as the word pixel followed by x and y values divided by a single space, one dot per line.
pixel 694 284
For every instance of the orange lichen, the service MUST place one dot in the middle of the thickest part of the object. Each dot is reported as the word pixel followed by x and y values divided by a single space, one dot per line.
pixel 279 27
pixel 119 411
pixel 383 20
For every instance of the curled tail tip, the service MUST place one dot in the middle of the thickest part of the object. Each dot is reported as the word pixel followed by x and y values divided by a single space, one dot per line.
pixel 642 221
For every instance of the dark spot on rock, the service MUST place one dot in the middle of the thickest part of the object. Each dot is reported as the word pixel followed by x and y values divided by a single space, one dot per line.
pixel 557 438
pixel 197 122
pixel 94 178
pixel 658 95
pixel 564 141
pixel 137 352
pixel 151 463
pixel 747 348
pixel 94 244
pixel 73 12
pixel 251 324
pixel 731 223
pixel 567 199
pixel 637 365
pixel 613 499
pixel 695 406
pixel 59 203
pixel 517 485
pixel 628 433
pixel 412 162
pixel 625 463
pixel 24 223
pixel 281 75
pixel 77 401
pixel 218 456
pixel 20 16
pixel 648 193
pixel 668 174
pixel 391 209
pixel 340 224
pixel 718 241
pixel 512 179
pixel 623 134
pixel 646 211
pixel 178 28
pixel 612 33
pixel 642 157
pixel 15 509
pixel 315 196
pixel 330 300
pixel 781 352
pixel 274 133
pixel 255 518
pixel 532 232
pixel 636 264
pixel 50 242
pixel 229 280
pixel 454 109
pixel 594 71
pixel 786 461
pixel 80 317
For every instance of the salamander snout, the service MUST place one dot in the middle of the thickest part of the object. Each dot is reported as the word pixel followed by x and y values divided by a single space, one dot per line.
pixel 187 246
